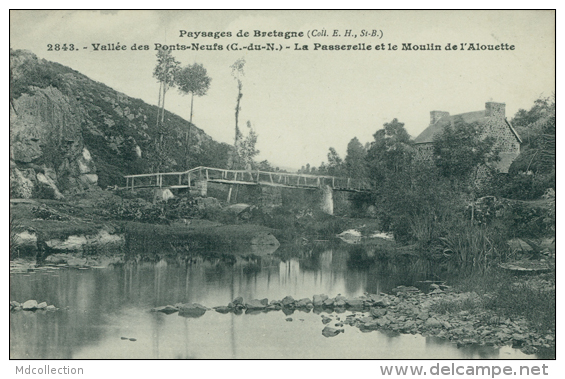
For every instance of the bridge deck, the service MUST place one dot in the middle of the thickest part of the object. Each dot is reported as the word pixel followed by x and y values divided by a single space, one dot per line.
pixel 188 178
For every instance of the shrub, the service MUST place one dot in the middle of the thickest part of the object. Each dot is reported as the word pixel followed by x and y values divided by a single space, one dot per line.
pixel 474 247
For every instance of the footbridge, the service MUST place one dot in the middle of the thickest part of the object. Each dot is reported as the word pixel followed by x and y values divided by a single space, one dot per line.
pixel 191 178
pixel 267 189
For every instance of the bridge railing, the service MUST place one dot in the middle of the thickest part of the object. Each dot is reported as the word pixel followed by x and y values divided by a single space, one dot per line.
pixel 187 179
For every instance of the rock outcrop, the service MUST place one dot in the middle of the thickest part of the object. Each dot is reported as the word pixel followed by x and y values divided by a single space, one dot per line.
pixel 69 133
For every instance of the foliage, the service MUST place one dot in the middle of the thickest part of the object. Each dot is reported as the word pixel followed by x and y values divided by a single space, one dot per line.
pixel 550 219
pixel 355 159
pixel 335 164
pixel 460 149
pixel 45 213
pixel 193 79
pixel 238 73
pixel 390 153
pixel 246 147
pixel 474 247
pixel 165 72
pixel 533 172
pixel 528 220
pixel 519 185
pixel 526 120
pixel 33 72
pixel 136 210
pixel 167 68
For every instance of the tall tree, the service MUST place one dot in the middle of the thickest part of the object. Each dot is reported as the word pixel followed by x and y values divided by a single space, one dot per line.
pixel 192 79
pixel 335 163
pixel 355 159
pixel 238 74
pixel 164 72
pixel 390 152
pixel 247 150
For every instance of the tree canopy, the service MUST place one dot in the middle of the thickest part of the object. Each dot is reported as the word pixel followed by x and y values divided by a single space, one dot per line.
pixel 193 79
pixel 461 148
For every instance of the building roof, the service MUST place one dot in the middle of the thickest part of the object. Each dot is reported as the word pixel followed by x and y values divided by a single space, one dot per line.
pixel 427 136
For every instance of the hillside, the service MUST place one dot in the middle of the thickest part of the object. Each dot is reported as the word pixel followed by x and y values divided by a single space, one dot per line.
pixel 69 133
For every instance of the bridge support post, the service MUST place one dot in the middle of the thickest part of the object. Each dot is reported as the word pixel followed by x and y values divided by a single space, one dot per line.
pixel 327 203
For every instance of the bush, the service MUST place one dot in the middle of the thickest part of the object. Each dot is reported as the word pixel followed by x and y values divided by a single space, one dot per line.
pixel 135 210
pixel 528 220
pixel 474 247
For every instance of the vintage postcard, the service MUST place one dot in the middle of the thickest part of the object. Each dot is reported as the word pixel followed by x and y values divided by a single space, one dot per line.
pixel 282 185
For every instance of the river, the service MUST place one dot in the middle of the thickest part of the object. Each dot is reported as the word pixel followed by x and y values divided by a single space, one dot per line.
pixel 102 308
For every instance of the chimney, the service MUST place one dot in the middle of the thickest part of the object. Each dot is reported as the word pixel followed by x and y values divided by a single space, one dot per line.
pixel 493 109
pixel 436 115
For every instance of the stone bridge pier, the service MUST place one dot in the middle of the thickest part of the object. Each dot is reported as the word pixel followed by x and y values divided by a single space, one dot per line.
pixel 268 197
pixel 273 197
pixel 327 200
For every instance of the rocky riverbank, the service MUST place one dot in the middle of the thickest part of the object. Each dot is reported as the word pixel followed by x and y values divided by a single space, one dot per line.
pixel 441 312
pixel 31 305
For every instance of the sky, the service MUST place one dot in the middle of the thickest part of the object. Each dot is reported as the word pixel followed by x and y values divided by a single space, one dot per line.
pixel 302 102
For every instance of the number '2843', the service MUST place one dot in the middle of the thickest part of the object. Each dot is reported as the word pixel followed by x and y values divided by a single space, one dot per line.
pixel 59 47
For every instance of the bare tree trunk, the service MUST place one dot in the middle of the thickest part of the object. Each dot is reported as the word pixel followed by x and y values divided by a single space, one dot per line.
pixel 163 105
pixel 189 132
pixel 159 104
pixel 191 105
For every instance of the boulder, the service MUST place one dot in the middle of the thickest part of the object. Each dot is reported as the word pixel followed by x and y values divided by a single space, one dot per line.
pixel 326 320
pixel 432 323
pixel 328 302
pixel 304 303
pixel 51 308
pixel 167 309
pixel 518 338
pixel 328 331
pixel 423 315
pixel 378 312
pixel 288 310
pixel 408 326
pixel 350 236
pixel 378 300
pixel 318 300
pixel 42 305
pixel 240 211
pixel 237 301
pixel 288 301
pixel 354 303
pixel 192 310
pixel 255 305
pixel 223 309
pixel 339 301
pixel 383 321
pixel 371 325
pixel 30 305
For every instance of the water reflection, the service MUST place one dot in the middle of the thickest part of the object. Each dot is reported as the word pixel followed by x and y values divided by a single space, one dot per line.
pixel 99 306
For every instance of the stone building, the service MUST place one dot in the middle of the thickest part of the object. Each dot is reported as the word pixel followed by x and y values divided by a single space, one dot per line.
pixel 496 125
